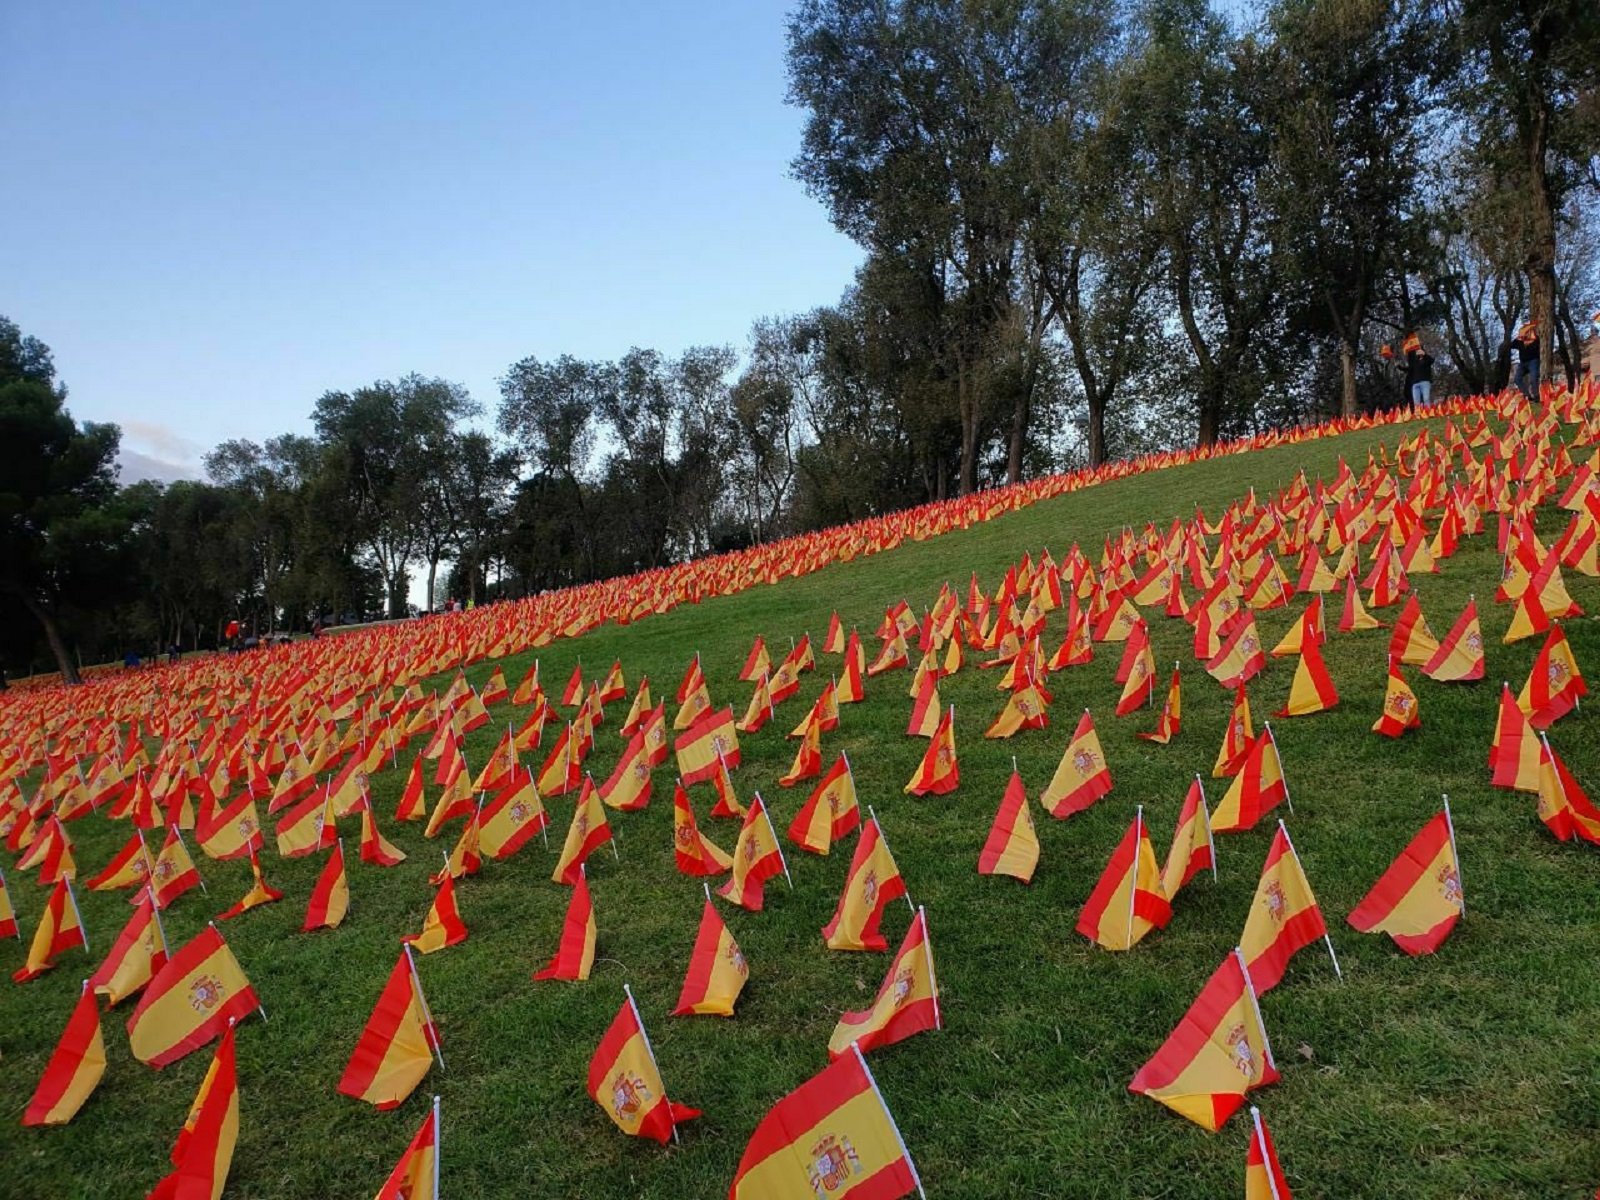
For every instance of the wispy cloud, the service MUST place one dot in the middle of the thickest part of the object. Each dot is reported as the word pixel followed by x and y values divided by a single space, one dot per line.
pixel 134 465
pixel 151 450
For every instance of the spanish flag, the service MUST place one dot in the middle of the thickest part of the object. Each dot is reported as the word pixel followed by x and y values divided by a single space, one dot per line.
pixel 628 787
pixel 1137 672
pixel 231 832
pixel 757 857
pixel 413 805
pixel 1237 738
pixel 829 813
pixel 307 827
pixel 694 852
pixel 1170 721
pixel 807 760
pixel 588 831
pixel 575 953
pixel 463 858
pixel 717 969
pixel 832 1136
pixel 1459 658
pixel 191 1000
pixel 204 1149
pixel 375 848
pixel 1012 847
pixel 1418 899
pixel 507 822
pixel 261 892
pixel 907 1001
pixel 757 663
pixel 174 872
pixel 874 879
pixel 130 868
pixel 443 925
pixel 638 711
pixel 695 706
pixel 1284 917
pixel 1240 659
pixel 398 1044
pixel 1127 902
pixel 1413 642
pixel 1312 690
pixel 1027 708
pixel 138 953
pixel 563 769
pixel 727 804
pixel 8 914
pixel 1564 807
pixel 330 899
pixel 709 740
pixel 60 928
pixel 1192 849
pixel 74 1069
pixel 926 708
pixel 1400 711
pixel 1514 753
pixel 1218 1052
pixel 1307 629
pixel 1263 1177
pixel 573 692
pixel 1082 776
pixel 759 711
pixel 416 1175
pixel 1256 790
pixel 852 687
pixel 1555 684
pixel 625 1081
pixel 939 773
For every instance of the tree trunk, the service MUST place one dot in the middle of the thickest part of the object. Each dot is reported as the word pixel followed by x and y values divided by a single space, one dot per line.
pixel 52 636
pixel 433 573
pixel 1347 364
pixel 1541 260
pixel 1097 425
pixel 968 408
pixel 397 595
pixel 1210 399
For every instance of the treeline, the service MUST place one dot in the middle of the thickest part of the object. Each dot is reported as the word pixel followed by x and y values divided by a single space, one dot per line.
pixel 1091 228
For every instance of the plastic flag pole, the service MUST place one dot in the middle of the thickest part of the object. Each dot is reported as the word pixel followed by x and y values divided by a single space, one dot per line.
pixel 422 1001
pixel 1450 824
pixel 1255 1005
pixel 155 911
pixel 1284 779
pixel 438 1148
pixel 855 1048
pixel 1326 940
pixel 933 977
pixel 1266 1159
pixel 650 1050
pixel 1205 815
pixel 83 932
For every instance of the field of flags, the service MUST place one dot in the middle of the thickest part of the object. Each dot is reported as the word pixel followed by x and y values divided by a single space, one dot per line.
pixel 978 829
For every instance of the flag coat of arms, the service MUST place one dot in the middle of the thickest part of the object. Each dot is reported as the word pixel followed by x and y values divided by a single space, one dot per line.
pixel 1419 899
pixel 625 1081
pixel 907 1001
pixel 191 1001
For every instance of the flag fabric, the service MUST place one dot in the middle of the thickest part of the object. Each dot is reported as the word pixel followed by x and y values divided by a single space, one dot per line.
pixel 1263 1177
pixel 1256 790
pixel 203 1152
pixel 397 1045
pixel 1193 848
pixel 938 774
pixel 307 827
pixel 1216 1054
pixel 907 1000
pixel 1400 711
pixel 709 740
pixel 416 1175
pixel 174 872
pixel 1459 658
pixel 1170 720
pixel 832 1136
pixel 128 869
pixel 628 787
pixel 727 804
pixel 587 832
pixel 1418 900
pixel 1312 690
pixel 1127 902
pixel 413 805
pixel 1564 807
pixel 1237 738
pixel 757 857
pixel 330 899
pixel 191 1000
pixel 625 1081
pixel 575 953
pixel 231 832
pixel 1284 916
pixel 1082 776
pixel 829 813
pixel 60 928
pixel 808 758
pixel 717 969
pixel 1137 672
pixel 1555 684
pixel 75 1067
pixel 443 925
pixel 694 852
pixel 1413 642
pixel 508 821
pixel 8 914
pixel 1514 752
pixel 873 880
pixel 1012 847
pixel 260 892
pixel 926 708
pixel 376 849
pixel 135 957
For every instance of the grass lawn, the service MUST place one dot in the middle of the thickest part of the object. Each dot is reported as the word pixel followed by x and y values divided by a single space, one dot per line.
pixel 1474 1073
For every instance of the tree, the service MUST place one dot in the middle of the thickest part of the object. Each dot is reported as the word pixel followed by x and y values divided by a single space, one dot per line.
pixel 58 534
pixel 548 410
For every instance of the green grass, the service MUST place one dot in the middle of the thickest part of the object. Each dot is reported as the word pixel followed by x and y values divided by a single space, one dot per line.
pixel 1473 1073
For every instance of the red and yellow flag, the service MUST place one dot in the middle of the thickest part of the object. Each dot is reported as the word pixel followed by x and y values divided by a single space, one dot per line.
pixel 1459 658
pixel 829 813
pixel 587 831
pixel 625 1081
pixel 75 1067
pixel 174 872
pixel 1418 900
pixel 261 892
pixel 1256 790
pixel 60 928
pixel 307 827
pixel 874 879
pixel 416 1175
pixel 938 774
pixel 1564 806
pixel 129 869
pixel 1128 901
pixel 628 787
pixel 330 899
pixel 508 821
pixel 1312 690
pixel 192 999
pixel 1263 1177
pixel 1192 849
pixel 203 1152
pixel 375 848
pixel 398 1044
pixel 1082 776
pixel 757 857
pixel 1400 711
pixel 1012 847
pixel 1237 738
pixel 695 853
pixel 1514 753
pixel 138 953
pixel 443 925
pixel 1555 684
pixel 1218 1052
pixel 1284 916
pixel 907 1001
pixel 1170 721
pixel 575 953
pixel 832 1136
pixel 717 969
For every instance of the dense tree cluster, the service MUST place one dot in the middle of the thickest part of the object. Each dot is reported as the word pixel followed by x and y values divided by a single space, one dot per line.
pixel 1090 228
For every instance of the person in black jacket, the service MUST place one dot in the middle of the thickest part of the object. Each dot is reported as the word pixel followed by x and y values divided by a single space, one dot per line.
pixel 1526 344
pixel 1419 373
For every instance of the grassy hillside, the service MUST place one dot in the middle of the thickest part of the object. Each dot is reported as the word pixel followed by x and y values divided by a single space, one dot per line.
pixel 1474 1073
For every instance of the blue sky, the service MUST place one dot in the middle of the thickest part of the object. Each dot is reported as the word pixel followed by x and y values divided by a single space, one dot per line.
pixel 216 212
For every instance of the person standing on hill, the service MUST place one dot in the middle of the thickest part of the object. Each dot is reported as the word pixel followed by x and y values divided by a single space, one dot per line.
pixel 1526 344
pixel 1419 372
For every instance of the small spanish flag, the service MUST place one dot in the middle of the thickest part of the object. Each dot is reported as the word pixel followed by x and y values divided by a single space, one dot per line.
pixel 625 1080
pixel 575 953
pixel 757 857
pixel 939 773
pixel 1284 916
pixel 717 969
pixel 873 880
pixel 203 1152
pixel 75 1067
pixel 398 1044
pixel 1263 1177
pixel 1082 776
pixel 416 1175
pixel 829 813
pixel 907 1001
pixel 60 928
pixel 1128 901
pixel 193 998
pixel 1012 847
pixel 1418 900
pixel 1256 790
pixel 588 831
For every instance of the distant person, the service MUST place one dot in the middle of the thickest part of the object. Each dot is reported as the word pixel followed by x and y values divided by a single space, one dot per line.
pixel 1419 373
pixel 173 653
pixel 1526 344
pixel 130 660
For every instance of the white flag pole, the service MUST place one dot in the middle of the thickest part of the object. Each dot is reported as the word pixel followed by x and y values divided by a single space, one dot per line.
pixel 776 844
pixel 1255 1005
pixel 438 1149
pixel 1326 940
pixel 933 977
pixel 1450 824
pixel 855 1048
pixel 1266 1159
pixel 1133 869
pixel 83 932
pixel 1205 815
pixel 650 1050
pixel 422 1001
pixel 1284 779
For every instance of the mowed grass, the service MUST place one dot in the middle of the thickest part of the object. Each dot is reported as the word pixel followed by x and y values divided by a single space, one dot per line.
pixel 1473 1073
